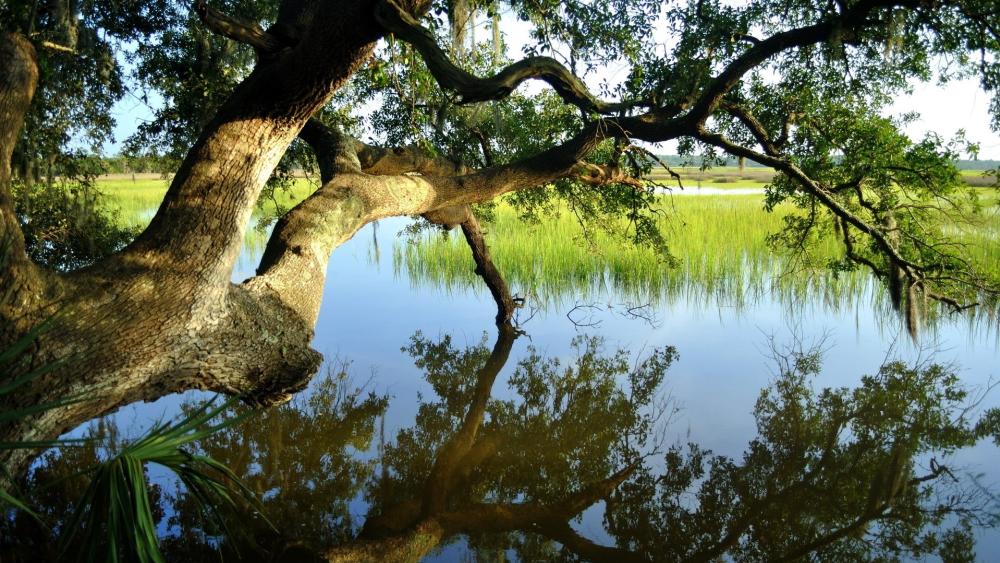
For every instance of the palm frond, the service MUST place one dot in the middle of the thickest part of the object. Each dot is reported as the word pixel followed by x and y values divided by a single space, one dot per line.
pixel 115 518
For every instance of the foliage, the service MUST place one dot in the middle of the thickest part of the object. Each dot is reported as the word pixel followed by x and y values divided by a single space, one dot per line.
pixel 81 76
pixel 67 224
pixel 116 501
pixel 105 507
pixel 15 372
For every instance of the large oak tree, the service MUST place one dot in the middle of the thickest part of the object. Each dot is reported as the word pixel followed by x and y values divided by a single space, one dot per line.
pixel 798 85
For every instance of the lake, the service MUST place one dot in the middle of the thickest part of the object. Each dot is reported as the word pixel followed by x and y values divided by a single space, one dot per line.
pixel 411 350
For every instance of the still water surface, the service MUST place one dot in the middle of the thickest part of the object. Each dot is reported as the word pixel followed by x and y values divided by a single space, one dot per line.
pixel 372 309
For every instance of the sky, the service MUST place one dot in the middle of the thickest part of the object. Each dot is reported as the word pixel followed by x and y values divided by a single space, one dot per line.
pixel 946 109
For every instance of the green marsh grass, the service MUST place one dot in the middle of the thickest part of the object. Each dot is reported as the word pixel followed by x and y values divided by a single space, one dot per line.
pixel 719 241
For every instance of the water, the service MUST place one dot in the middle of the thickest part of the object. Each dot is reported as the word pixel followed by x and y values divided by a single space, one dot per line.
pixel 371 309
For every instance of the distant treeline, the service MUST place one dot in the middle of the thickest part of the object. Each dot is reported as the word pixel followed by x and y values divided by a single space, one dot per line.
pixel 678 160
pixel 138 164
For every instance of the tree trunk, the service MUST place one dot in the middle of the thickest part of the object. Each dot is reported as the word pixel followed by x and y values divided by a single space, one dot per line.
pixel 19 278
pixel 162 315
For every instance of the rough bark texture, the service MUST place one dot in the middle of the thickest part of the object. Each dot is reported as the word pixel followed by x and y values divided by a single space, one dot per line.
pixel 162 315
pixel 22 284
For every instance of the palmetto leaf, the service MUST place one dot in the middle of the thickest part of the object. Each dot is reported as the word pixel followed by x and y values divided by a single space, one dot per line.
pixel 114 518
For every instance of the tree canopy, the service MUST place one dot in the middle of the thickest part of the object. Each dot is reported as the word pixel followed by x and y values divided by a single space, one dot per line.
pixel 404 108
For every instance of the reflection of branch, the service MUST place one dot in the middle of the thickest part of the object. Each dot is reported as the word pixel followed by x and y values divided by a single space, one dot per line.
pixel 589 321
pixel 441 484
pixel 413 527
pixel 582 315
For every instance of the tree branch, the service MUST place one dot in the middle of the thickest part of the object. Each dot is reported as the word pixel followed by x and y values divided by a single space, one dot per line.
pixel 474 89
pixel 238 30
pixel 853 18
pixel 813 188
pixel 488 271
pixel 754 125
pixel 405 160
pixel 335 152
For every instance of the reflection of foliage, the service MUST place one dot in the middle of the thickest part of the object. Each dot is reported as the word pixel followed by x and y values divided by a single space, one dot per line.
pixel 838 474
pixel 486 467
pixel 115 517
pixel 571 423
pixel 301 460
pixel 841 474
pixel 297 460
pixel 834 473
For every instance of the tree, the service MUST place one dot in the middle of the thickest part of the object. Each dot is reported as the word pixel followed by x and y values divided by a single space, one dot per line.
pixel 793 84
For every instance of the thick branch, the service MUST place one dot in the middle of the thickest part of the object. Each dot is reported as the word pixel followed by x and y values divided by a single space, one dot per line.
pixel 294 262
pixel 474 89
pixel 405 160
pixel 756 128
pixel 335 151
pixel 237 30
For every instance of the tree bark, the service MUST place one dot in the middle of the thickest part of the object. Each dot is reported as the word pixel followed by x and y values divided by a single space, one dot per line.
pixel 21 282
pixel 162 315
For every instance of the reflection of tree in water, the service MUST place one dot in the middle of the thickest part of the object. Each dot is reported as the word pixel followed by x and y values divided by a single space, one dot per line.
pixel 482 467
pixel 302 461
pixel 843 474
pixel 831 473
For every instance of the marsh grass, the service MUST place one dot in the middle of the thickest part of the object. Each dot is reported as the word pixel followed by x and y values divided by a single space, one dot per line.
pixel 719 242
